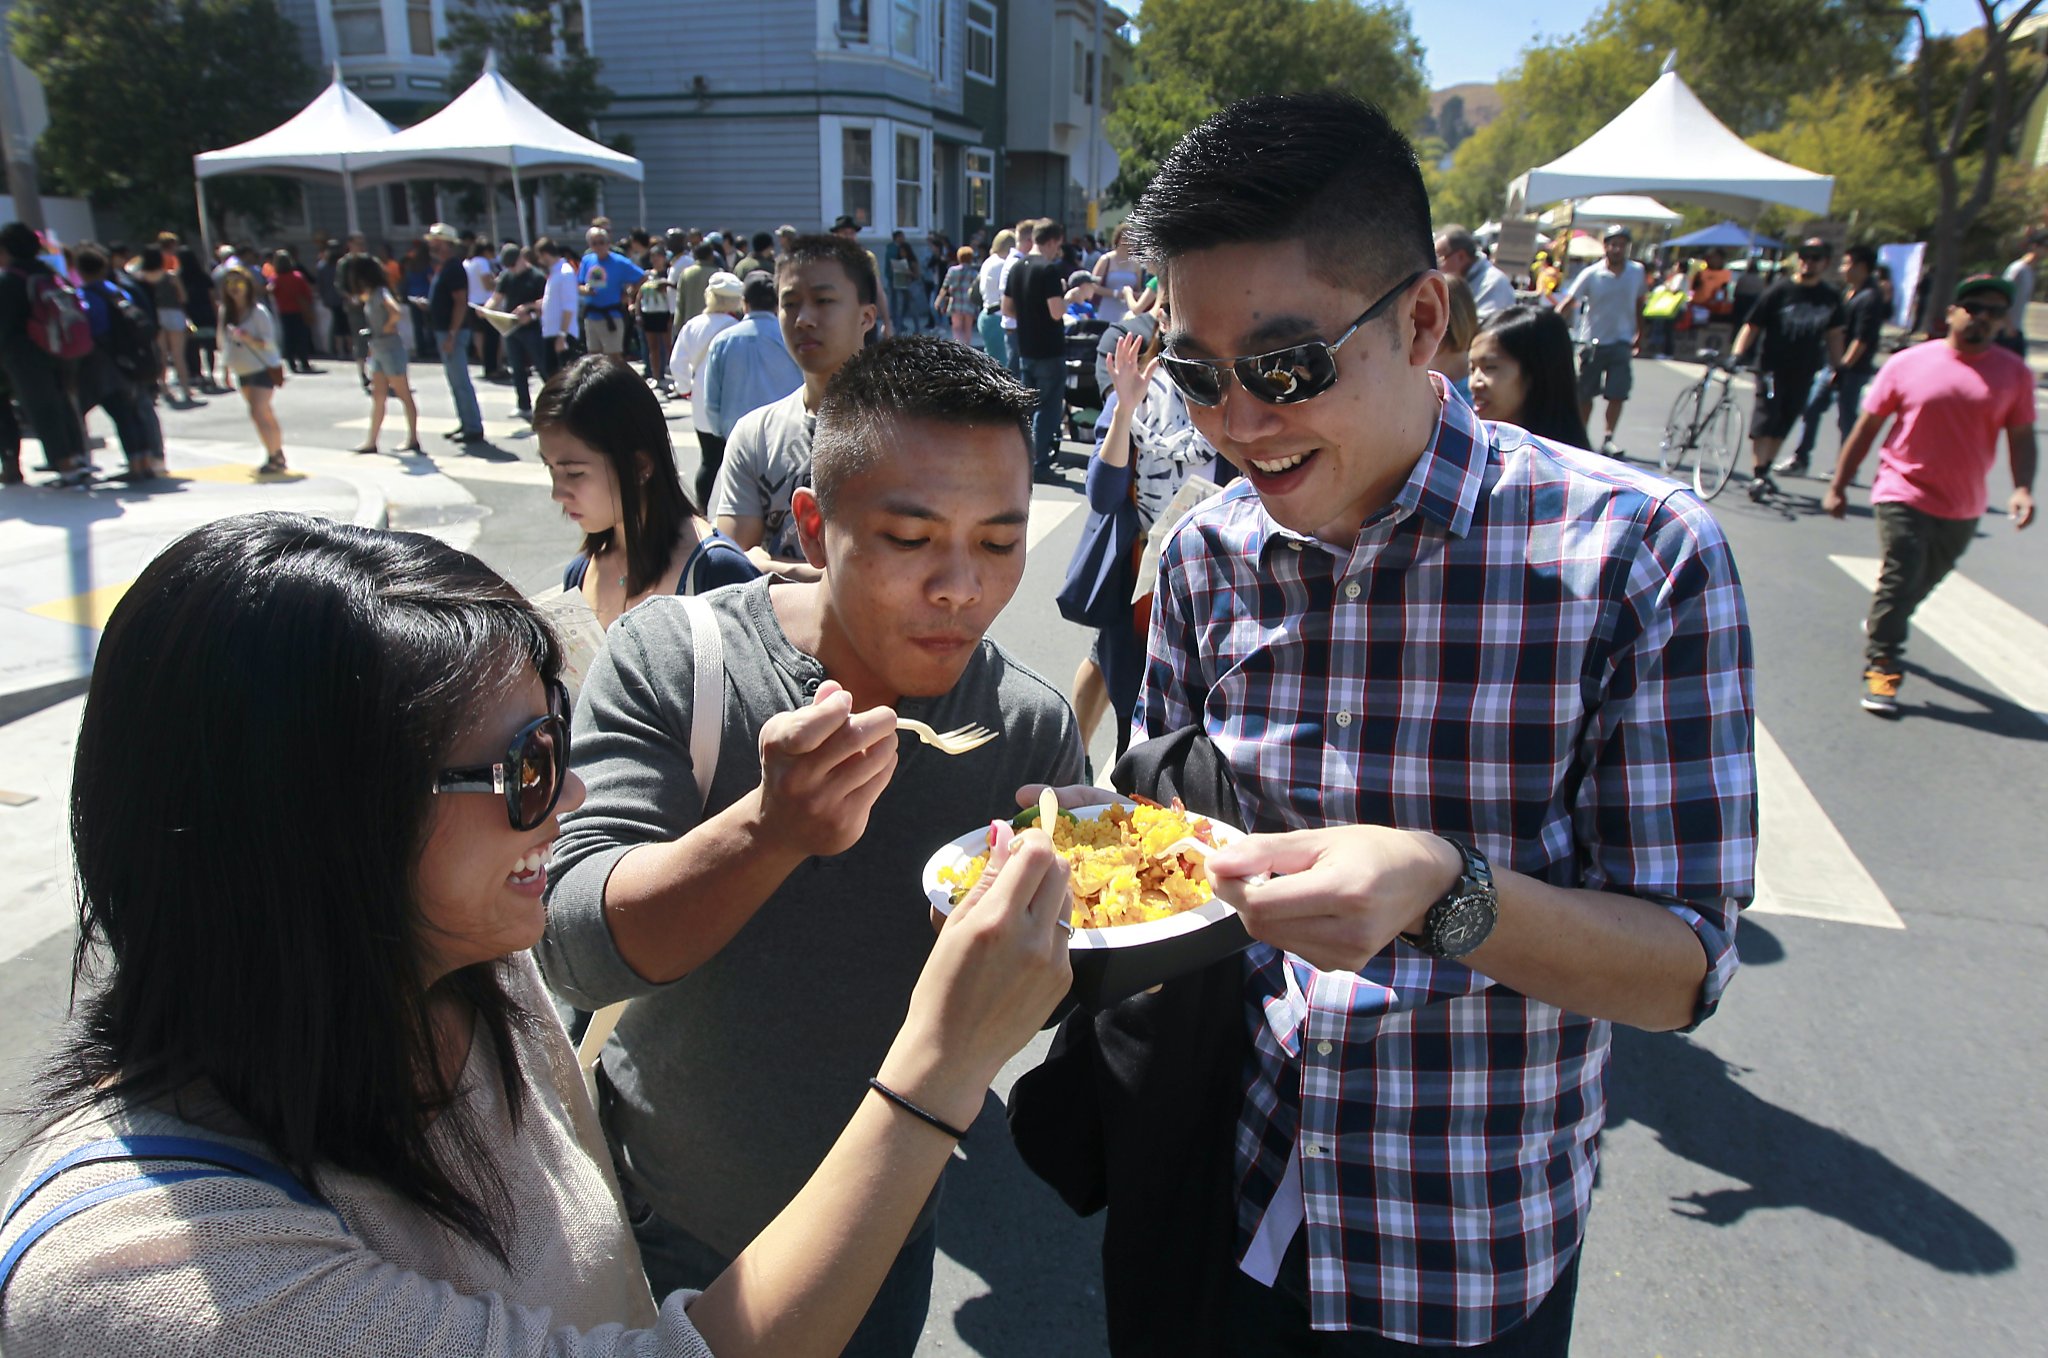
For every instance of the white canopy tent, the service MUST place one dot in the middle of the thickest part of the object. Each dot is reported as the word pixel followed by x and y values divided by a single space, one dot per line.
pixel 1603 209
pixel 492 126
pixel 1668 143
pixel 325 140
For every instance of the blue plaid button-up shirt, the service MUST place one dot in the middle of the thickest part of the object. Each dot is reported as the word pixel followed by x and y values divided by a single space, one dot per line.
pixel 1538 651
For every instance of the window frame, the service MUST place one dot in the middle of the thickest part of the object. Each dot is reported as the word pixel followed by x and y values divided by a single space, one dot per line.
pixel 919 184
pixel 977 29
pixel 373 10
pixel 971 176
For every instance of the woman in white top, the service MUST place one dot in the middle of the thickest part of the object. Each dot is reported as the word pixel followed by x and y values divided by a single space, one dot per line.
pixel 1145 448
pixel 724 304
pixel 1120 277
pixel 249 345
pixel 317 1103
pixel 990 323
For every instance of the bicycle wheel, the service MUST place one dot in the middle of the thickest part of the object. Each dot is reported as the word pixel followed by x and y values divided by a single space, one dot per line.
pixel 1681 434
pixel 1720 440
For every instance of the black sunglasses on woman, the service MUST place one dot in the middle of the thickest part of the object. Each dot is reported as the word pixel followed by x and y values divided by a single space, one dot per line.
pixel 531 776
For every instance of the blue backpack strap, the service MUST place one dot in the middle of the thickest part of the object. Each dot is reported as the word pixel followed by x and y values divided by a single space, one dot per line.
pixel 64 1211
pixel 219 1160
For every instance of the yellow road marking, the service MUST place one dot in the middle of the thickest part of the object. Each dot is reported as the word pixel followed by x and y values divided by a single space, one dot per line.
pixel 90 609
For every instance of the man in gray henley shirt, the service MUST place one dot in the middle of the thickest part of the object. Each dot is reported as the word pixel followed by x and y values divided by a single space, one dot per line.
pixel 770 947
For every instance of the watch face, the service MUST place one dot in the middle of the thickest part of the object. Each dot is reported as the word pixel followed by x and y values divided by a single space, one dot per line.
pixel 1464 924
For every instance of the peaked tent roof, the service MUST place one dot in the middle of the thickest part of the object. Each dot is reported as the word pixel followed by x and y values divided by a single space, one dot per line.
pixel 1614 207
pixel 327 137
pixel 1727 235
pixel 1668 143
pixel 493 124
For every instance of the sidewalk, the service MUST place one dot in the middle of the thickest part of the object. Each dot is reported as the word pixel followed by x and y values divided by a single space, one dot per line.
pixel 66 558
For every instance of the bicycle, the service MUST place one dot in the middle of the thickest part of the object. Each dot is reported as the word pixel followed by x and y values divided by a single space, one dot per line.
pixel 1704 430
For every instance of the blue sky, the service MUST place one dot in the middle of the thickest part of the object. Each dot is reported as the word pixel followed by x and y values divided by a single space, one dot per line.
pixel 1478 39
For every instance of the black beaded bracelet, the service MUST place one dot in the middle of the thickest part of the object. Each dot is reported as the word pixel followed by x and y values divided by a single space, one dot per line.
pixel 907 1106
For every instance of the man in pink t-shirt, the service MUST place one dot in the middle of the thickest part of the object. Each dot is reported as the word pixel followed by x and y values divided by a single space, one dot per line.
pixel 1951 398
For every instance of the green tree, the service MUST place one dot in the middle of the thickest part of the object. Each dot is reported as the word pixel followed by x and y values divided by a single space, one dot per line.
pixel 118 135
pixel 1195 56
pixel 568 88
pixel 1970 94
pixel 1863 134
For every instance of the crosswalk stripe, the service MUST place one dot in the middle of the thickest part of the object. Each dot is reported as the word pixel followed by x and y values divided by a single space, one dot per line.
pixel 1998 641
pixel 1046 515
pixel 1803 865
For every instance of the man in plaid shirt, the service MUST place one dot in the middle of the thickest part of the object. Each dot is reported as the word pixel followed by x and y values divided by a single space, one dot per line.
pixel 1499 693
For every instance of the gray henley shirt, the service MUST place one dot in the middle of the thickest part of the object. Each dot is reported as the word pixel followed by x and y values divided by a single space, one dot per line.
pixel 734 1081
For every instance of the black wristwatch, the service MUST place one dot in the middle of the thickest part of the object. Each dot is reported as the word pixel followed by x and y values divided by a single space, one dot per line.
pixel 1464 918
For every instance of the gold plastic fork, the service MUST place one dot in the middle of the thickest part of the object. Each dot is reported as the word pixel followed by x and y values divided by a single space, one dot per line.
pixel 958 741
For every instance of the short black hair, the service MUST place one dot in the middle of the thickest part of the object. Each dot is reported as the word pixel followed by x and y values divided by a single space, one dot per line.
pixel 1862 254
pixel 546 245
pixel 19 239
pixel 703 253
pixel 1047 232
pixel 1325 168
pixel 1540 343
pixel 1457 238
pixel 90 261
pixel 834 250
pixel 915 377
pixel 759 291
pixel 762 243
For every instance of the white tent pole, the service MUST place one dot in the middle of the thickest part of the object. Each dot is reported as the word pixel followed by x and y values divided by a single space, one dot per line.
pixel 491 196
pixel 519 205
pixel 348 191
pixel 205 226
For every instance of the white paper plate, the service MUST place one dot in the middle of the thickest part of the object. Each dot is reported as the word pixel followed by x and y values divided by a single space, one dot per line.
pixel 974 843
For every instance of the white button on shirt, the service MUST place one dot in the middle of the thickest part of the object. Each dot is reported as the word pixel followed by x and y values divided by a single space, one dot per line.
pixel 1351 590
pixel 1343 718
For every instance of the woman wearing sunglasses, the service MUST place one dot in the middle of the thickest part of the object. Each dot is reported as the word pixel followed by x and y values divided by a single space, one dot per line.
pixel 316 1101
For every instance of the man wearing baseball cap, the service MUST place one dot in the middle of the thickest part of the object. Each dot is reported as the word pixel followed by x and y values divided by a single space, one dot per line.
pixel 1613 293
pixel 1950 397
pixel 448 312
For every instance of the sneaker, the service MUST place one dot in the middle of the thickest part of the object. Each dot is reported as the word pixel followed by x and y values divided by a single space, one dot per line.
pixel 1607 449
pixel 1792 465
pixel 1761 485
pixel 1881 691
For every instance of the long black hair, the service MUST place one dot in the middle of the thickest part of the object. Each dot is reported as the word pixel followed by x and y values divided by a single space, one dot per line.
pixel 1540 343
pixel 600 401
pixel 248 808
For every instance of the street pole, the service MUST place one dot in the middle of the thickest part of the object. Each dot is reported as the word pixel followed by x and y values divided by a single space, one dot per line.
pixel 19 150
pixel 1094 127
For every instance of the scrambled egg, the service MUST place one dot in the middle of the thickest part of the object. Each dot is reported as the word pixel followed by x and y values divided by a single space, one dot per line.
pixel 1120 875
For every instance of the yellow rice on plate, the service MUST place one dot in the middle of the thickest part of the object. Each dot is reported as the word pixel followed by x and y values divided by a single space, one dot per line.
pixel 1120 873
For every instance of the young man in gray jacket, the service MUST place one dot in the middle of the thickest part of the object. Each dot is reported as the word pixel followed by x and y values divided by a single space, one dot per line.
pixel 770 938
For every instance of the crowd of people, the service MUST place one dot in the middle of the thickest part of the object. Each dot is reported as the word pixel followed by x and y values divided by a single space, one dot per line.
pixel 1482 696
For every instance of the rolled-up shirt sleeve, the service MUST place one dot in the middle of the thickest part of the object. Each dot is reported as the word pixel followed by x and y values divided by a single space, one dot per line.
pixel 1667 810
pixel 631 745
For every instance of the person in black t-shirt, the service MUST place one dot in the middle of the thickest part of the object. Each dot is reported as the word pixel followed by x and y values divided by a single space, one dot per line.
pixel 1864 314
pixel 1799 323
pixel 1036 296
pixel 521 284
pixel 448 309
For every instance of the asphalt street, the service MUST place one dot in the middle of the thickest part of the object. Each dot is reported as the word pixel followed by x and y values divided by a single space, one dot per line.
pixel 1835 1164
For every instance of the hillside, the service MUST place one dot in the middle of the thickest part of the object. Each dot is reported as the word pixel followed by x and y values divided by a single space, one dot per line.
pixel 1482 102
